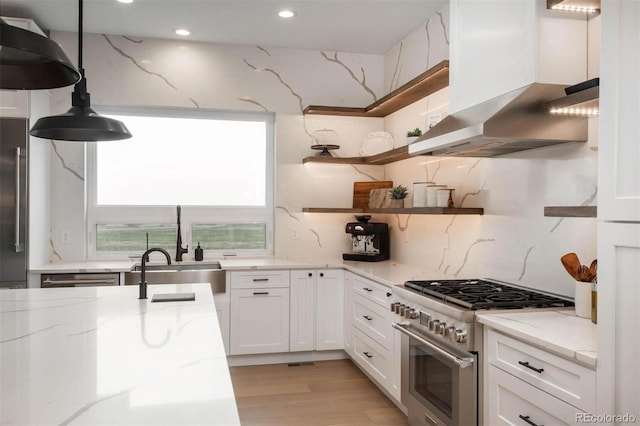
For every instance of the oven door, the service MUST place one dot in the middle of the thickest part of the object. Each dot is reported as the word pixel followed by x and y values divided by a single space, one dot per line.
pixel 439 385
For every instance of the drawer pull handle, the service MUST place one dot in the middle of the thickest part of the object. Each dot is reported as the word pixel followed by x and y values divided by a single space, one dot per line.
pixel 367 317
pixel 257 293
pixel 260 279
pixel 526 364
pixel 367 289
pixel 526 419
pixel 367 354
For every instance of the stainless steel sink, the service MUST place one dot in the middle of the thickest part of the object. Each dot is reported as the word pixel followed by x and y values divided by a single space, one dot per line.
pixel 181 274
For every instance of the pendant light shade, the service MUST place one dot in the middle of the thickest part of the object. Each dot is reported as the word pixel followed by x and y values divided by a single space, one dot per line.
pixel 29 61
pixel 80 123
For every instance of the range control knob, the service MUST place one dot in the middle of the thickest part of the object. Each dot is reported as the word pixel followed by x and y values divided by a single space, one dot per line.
pixel 407 312
pixel 461 336
pixel 440 328
pixel 414 314
pixel 450 333
pixel 403 308
pixel 433 325
pixel 393 306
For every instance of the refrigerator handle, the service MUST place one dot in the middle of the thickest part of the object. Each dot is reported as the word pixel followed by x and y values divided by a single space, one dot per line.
pixel 17 247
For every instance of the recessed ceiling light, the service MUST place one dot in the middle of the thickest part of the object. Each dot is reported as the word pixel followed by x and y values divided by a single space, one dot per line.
pixel 125 1
pixel 183 32
pixel 286 14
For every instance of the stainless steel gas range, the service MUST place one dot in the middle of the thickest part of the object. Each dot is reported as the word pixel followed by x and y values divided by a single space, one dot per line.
pixel 442 343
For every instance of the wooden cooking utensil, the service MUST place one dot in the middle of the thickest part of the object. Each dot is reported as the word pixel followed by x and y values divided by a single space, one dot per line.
pixel 594 267
pixel 571 263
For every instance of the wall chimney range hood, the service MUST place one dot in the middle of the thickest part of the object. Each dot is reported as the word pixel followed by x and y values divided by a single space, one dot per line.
pixel 516 121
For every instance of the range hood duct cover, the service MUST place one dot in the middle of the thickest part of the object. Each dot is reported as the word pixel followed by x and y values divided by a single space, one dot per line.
pixel 516 121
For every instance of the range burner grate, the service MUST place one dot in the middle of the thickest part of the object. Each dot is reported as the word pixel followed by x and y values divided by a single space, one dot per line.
pixel 481 294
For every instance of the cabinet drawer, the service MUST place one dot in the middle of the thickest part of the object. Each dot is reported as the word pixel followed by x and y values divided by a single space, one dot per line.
pixel 373 320
pixel 373 291
pixel 372 357
pixel 511 399
pixel 259 279
pixel 558 376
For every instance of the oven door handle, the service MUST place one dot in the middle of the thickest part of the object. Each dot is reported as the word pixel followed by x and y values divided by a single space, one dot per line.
pixel 461 362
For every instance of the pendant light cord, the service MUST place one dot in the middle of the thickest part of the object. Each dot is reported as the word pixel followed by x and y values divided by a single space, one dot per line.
pixel 80 37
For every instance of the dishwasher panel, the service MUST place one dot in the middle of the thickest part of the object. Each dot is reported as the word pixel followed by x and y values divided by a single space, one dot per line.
pixel 79 280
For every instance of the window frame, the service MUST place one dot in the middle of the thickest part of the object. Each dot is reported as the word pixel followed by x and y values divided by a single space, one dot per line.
pixel 191 214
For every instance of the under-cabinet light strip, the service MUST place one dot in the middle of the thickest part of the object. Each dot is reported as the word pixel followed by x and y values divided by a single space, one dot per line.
pixel 576 111
pixel 580 9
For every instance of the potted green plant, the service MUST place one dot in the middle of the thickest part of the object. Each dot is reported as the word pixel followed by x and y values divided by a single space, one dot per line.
pixel 412 135
pixel 397 196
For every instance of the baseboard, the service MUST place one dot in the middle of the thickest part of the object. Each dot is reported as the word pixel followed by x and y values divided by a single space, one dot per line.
pixel 285 357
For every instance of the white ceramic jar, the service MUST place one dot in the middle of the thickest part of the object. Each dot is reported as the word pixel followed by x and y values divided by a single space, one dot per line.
pixel 442 198
pixel 420 193
pixel 432 194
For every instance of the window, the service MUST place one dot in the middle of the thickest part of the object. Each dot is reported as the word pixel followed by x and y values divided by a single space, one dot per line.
pixel 218 166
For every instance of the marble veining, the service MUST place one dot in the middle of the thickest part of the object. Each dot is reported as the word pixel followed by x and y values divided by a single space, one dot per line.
pixel 444 27
pixel 64 163
pixel 263 50
pixel 53 250
pixel 132 40
pixel 114 359
pixel 406 225
pixel 396 72
pixel 194 102
pixel 280 79
pixel 466 255
pixel 136 64
pixel 426 30
pixel 524 263
pixel 254 102
pixel 284 209
pixel 361 81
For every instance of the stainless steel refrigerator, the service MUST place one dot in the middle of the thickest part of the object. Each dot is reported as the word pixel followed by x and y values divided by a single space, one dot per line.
pixel 13 201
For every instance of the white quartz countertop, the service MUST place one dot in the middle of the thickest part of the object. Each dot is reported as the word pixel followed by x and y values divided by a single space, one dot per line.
pixel 83 267
pixel 560 332
pixel 100 356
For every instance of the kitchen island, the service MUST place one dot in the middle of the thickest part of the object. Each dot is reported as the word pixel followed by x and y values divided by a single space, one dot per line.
pixel 98 355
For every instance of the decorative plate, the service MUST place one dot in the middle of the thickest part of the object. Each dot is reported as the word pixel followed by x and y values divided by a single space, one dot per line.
pixel 375 143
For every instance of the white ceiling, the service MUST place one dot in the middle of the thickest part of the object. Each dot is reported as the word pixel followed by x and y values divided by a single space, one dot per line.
pixel 359 26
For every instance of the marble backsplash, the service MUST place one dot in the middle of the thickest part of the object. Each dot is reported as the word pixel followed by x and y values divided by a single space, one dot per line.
pixel 512 241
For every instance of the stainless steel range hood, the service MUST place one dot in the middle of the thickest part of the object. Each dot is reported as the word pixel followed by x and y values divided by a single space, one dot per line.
pixel 516 121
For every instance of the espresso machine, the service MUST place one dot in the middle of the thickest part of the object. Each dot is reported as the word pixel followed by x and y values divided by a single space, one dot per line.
pixel 369 240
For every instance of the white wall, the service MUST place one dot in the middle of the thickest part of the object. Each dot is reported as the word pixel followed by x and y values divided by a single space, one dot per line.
pixel 513 241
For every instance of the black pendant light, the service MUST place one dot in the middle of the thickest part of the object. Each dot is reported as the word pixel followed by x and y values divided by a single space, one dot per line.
pixel 80 123
pixel 29 61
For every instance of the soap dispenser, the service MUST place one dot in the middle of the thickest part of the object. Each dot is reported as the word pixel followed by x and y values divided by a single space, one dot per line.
pixel 199 252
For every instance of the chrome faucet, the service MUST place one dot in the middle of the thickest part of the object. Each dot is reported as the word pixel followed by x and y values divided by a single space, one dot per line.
pixel 179 249
pixel 143 271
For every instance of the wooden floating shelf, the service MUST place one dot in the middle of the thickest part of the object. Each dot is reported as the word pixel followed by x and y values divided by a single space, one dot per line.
pixel 571 211
pixel 407 210
pixel 428 82
pixel 396 154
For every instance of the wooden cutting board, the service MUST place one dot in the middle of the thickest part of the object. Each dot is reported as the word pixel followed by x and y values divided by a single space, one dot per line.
pixel 361 191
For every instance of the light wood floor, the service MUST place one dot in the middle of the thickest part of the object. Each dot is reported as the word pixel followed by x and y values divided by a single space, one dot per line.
pixel 327 393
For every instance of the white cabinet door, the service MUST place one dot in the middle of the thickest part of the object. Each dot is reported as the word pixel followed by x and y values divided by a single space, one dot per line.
pixel 619 150
pixel 330 310
pixel 303 311
pixel 618 373
pixel 259 321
